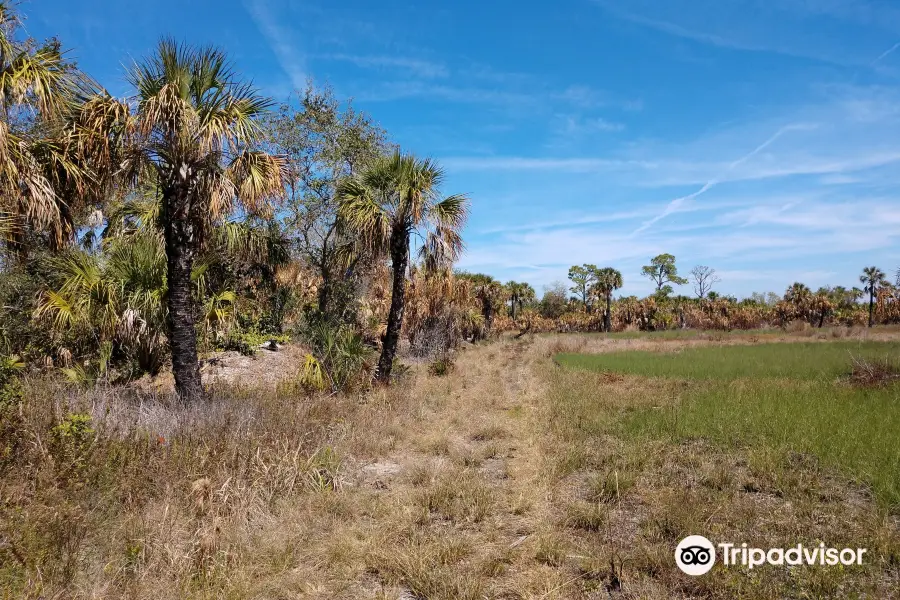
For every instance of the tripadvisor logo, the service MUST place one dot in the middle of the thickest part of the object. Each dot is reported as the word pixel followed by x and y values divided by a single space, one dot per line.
pixel 696 555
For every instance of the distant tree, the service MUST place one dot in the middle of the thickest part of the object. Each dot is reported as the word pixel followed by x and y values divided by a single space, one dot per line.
pixel 797 293
pixel 608 280
pixel 488 291
pixel 704 278
pixel 553 303
pixel 762 298
pixel 820 307
pixel 519 294
pixel 583 278
pixel 713 295
pixel 873 279
pixel 323 142
pixel 840 296
pixel 662 271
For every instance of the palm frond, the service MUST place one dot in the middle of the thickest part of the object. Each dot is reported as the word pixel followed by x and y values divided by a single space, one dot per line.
pixel 41 76
pixel 362 215
pixel 258 177
pixel 441 249
pixel 451 212
pixel 219 189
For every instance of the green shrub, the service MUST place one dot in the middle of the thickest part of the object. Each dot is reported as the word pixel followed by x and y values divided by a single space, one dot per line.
pixel 441 367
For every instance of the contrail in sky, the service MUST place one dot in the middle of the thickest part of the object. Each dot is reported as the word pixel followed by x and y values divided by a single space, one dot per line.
pixel 887 52
pixel 675 204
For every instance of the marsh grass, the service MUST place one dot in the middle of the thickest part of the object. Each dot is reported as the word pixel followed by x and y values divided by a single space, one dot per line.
pixel 792 361
pixel 853 430
pixel 734 460
pixel 790 398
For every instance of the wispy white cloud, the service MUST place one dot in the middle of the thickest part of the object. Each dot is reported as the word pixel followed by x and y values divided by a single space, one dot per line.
pixel 570 222
pixel 398 90
pixel 524 163
pixel 800 233
pixel 414 66
pixel 289 57
pixel 774 26
pixel 886 53
pixel 573 125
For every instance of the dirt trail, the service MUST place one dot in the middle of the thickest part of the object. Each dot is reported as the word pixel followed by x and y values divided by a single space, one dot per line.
pixel 460 497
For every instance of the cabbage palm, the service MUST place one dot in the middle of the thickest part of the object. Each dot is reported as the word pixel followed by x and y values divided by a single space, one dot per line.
pixel 872 279
pixel 608 281
pixel 519 294
pixel 191 130
pixel 397 197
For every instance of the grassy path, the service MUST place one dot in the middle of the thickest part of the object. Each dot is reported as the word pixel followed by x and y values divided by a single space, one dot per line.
pixel 447 495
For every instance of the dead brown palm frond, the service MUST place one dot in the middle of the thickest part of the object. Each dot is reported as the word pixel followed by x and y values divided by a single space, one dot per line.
pixel 258 177
pixel 40 182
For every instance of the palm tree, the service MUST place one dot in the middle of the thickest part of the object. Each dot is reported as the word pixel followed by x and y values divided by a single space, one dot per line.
pixel 395 198
pixel 798 293
pixel 872 279
pixel 191 130
pixel 519 294
pixel 40 185
pixel 608 280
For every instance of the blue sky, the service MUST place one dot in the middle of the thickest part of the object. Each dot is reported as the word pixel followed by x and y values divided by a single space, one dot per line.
pixel 759 137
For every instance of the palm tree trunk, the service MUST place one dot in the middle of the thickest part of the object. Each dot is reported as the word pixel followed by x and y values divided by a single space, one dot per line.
pixel 399 262
pixel 608 317
pixel 180 250
pixel 512 303
pixel 871 306
pixel 487 312
pixel 324 293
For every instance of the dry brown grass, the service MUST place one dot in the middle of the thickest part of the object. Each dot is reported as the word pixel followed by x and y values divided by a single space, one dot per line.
pixel 499 479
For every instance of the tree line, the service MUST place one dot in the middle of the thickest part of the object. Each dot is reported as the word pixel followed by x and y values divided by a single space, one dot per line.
pixel 591 285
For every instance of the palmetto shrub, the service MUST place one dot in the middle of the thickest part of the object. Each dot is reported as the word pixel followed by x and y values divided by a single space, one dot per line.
pixel 341 355
pixel 115 298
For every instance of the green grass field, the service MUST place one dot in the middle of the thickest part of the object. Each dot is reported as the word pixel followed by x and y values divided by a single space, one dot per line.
pixel 782 398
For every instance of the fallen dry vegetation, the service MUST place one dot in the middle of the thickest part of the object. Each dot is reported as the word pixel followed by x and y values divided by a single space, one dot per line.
pixel 500 479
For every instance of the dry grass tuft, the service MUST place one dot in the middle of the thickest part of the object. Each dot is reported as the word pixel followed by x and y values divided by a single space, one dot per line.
pixel 460 496
pixel 874 373
pixel 588 516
